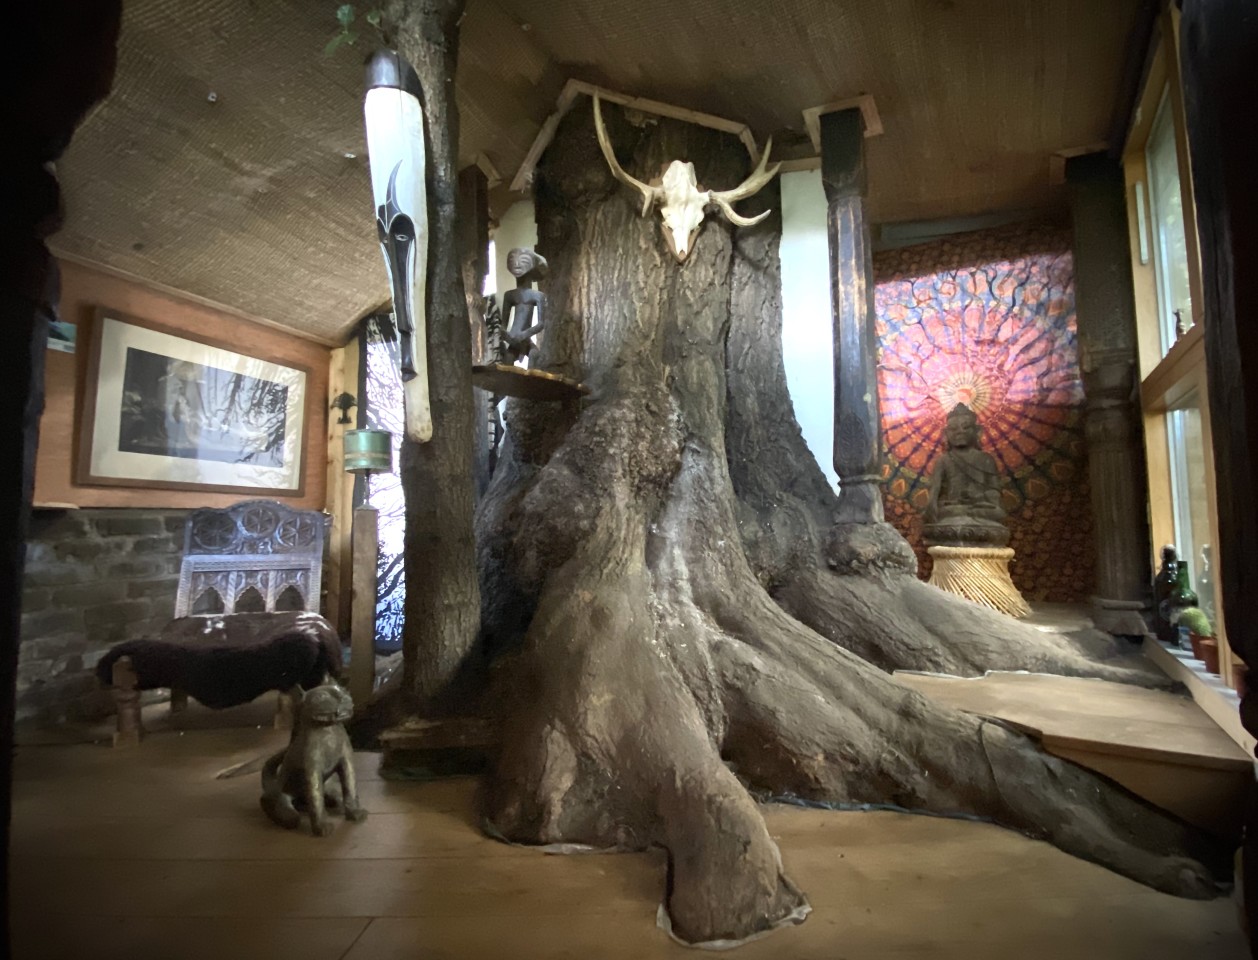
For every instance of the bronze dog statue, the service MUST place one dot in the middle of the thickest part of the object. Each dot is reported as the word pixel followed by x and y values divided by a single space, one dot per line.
pixel 319 747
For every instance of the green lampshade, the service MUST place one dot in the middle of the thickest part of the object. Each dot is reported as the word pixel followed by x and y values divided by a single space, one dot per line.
pixel 368 451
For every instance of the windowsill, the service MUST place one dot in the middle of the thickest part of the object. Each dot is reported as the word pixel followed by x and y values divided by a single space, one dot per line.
pixel 1159 389
pixel 1216 698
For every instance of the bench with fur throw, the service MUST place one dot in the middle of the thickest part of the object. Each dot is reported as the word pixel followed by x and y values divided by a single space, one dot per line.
pixel 224 660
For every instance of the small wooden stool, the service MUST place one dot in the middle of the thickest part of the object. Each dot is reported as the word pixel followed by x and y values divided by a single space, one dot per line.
pixel 980 574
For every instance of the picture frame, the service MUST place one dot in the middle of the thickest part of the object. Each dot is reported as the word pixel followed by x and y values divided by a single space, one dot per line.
pixel 166 409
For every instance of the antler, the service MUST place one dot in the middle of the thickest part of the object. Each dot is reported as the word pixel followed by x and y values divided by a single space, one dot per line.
pixel 749 187
pixel 648 192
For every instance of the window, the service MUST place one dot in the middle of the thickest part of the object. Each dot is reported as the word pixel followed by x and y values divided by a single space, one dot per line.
pixel 1166 279
pixel 1190 503
pixel 1170 242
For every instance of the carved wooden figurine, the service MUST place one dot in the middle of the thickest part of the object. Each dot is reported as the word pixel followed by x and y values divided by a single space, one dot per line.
pixel 523 308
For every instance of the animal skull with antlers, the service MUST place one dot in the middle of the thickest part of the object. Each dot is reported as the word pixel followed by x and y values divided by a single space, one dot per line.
pixel 682 204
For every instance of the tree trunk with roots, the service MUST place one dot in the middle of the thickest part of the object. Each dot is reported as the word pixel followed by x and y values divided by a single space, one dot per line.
pixel 671 639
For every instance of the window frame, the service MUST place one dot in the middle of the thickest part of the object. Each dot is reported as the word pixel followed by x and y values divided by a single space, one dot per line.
pixel 1168 377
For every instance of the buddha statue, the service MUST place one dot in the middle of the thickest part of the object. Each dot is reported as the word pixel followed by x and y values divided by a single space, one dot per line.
pixel 964 505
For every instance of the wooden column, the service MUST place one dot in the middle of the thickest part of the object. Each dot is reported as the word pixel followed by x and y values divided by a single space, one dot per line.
pixel 362 652
pixel 1107 336
pixel 861 538
pixel 1217 43
pixel 857 430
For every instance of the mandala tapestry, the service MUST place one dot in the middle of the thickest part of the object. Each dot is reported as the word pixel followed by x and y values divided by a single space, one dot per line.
pixel 988 319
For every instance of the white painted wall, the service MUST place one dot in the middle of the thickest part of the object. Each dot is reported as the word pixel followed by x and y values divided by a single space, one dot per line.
pixel 516 228
pixel 807 332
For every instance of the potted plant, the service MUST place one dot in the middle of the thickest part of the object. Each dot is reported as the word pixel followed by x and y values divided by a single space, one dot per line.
pixel 1201 634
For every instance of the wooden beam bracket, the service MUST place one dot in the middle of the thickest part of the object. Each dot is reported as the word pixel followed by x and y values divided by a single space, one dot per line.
pixel 575 88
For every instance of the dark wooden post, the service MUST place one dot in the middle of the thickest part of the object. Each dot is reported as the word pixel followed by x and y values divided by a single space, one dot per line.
pixel 857 431
pixel 1107 334
pixel 861 537
pixel 1217 43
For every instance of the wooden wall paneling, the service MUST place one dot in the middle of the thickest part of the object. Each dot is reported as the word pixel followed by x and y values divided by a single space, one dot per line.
pixel 1143 275
pixel 1226 657
pixel 1161 503
pixel 1140 215
pixel 342 377
pixel 83 289
pixel 1170 31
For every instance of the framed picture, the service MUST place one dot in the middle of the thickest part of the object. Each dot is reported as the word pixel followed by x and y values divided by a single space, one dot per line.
pixel 162 409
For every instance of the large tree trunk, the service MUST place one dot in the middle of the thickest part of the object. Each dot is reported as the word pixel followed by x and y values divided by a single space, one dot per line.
pixel 442 593
pixel 628 551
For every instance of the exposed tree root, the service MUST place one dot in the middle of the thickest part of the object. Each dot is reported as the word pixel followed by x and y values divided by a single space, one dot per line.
pixel 656 668
pixel 899 623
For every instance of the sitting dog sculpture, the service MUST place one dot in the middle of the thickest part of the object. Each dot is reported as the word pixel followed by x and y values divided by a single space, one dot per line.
pixel 295 777
pixel 230 659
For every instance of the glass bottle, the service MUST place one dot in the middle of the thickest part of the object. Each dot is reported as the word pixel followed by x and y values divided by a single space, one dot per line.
pixel 1163 586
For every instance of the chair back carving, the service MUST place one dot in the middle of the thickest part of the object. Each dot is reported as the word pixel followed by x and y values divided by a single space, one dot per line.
pixel 260 552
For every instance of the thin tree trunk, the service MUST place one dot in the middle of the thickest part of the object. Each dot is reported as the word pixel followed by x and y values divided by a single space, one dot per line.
pixel 651 684
pixel 442 593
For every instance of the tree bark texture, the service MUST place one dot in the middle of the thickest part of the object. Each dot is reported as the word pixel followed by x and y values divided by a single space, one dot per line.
pixel 442 594
pixel 642 555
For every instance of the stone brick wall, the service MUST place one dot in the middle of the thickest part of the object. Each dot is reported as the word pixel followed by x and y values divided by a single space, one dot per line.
pixel 93 578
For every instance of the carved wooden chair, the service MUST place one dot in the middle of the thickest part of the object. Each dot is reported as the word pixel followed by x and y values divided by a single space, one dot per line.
pixel 256 556
pixel 252 557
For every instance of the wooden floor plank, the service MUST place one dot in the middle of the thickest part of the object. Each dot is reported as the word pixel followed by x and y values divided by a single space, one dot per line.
pixel 1127 720
pixel 153 857
pixel 137 938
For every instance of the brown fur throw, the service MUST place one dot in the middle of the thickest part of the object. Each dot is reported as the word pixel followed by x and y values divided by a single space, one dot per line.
pixel 229 659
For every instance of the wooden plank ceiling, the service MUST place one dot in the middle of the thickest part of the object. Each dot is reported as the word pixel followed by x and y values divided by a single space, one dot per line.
pixel 229 161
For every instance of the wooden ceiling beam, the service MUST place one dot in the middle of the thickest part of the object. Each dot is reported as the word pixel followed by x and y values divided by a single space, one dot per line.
pixel 864 102
pixel 575 88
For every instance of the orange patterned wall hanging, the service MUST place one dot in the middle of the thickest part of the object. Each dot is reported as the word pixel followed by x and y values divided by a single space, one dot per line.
pixel 988 319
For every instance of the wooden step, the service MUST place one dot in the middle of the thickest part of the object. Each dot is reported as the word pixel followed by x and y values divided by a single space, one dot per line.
pixel 1157 744
pixel 419 749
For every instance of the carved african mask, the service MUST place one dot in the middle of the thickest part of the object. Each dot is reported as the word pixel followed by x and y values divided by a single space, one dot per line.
pixel 682 203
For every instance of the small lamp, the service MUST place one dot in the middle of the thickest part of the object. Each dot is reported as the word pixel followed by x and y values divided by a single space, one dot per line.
pixel 343 402
pixel 368 452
